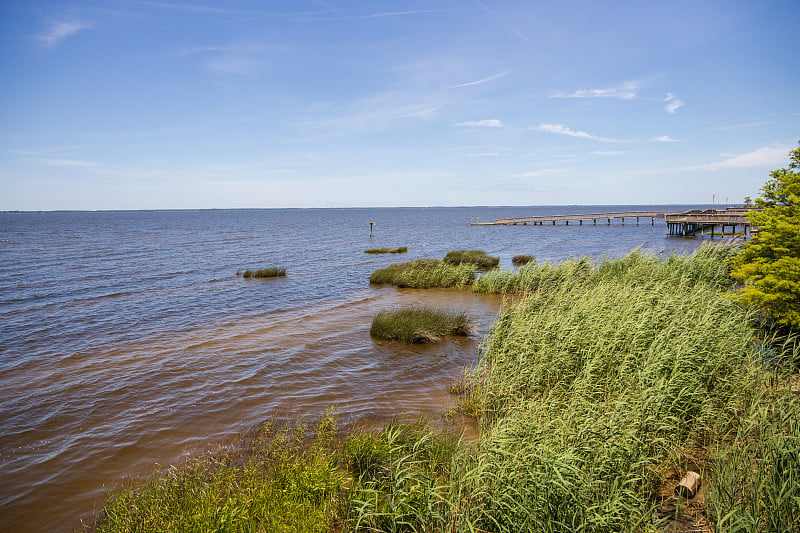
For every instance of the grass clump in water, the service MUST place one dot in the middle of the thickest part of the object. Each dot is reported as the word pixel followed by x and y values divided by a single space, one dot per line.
pixel 273 272
pixel 424 274
pixel 414 325
pixel 478 258
pixel 522 259
pixel 399 250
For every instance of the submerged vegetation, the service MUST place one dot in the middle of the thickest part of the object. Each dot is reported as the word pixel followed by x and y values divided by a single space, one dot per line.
pixel 399 250
pixel 273 272
pixel 424 274
pixel 478 258
pixel 419 325
pixel 598 388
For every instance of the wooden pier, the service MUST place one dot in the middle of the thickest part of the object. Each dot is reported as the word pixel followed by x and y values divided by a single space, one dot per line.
pixel 593 217
pixel 679 223
pixel 697 221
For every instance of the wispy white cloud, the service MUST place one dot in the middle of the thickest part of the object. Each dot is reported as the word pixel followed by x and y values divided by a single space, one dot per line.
pixel 542 172
pixel 67 162
pixel 564 130
pixel 241 58
pixel 402 13
pixel 374 113
pixel 664 139
pixel 609 152
pixel 43 158
pixel 196 8
pixel 673 104
pixel 626 91
pixel 486 123
pixel 767 156
pixel 742 126
pixel 513 29
pixel 484 154
pixel 60 31
pixel 480 81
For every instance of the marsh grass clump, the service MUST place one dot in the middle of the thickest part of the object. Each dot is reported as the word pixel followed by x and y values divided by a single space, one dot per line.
pixel 399 250
pixel 478 258
pixel 414 325
pixel 522 259
pixel 424 274
pixel 273 272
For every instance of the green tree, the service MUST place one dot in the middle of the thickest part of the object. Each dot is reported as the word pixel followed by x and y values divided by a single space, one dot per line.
pixel 769 265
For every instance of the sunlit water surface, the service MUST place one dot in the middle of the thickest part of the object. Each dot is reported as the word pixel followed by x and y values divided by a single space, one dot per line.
pixel 127 340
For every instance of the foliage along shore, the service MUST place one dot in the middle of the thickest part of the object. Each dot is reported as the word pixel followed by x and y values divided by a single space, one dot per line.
pixel 598 388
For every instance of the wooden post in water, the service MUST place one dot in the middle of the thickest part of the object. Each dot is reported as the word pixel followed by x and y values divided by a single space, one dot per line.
pixel 370 228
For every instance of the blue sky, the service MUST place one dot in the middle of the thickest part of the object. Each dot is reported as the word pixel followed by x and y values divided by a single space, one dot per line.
pixel 136 104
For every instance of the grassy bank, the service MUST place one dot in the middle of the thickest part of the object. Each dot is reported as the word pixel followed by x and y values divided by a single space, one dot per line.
pixel 419 325
pixel 300 479
pixel 605 384
pixel 598 388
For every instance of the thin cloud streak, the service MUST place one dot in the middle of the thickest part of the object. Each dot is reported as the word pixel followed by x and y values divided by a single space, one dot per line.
pixel 60 31
pixel 626 91
pixel 481 81
pixel 486 123
pixel 538 173
pixel 402 13
pixel 564 130
pixel 66 162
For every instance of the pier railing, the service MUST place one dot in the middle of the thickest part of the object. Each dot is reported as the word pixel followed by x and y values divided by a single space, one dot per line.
pixel 580 218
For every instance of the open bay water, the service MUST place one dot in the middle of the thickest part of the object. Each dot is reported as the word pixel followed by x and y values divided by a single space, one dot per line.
pixel 127 340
